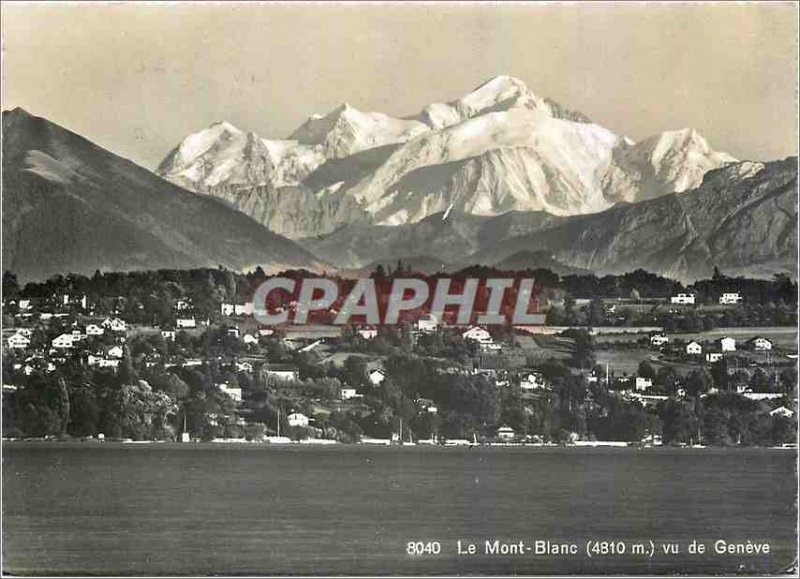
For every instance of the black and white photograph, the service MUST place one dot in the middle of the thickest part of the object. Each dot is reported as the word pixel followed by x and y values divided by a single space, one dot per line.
pixel 399 289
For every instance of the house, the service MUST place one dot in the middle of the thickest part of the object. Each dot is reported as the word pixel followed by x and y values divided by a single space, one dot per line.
pixel 94 330
pixel 368 333
pixel 233 332
pixel 185 323
pixel 24 304
pixel 759 344
pixel 782 411
pixel 427 323
pixel 27 332
pixel 506 433
pixel 244 367
pixel 347 393
pixel 694 349
pixel 659 339
pixel 115 325
pixel 297 419
pixel 250 339
pixel 115 352
pixel 65 341
pixel 727 344
pixel 263 332
pixel 712 357
pixel 18 341
pixel 233 392
pixel 377 376
pixel 730 298
pixel 108 363
pixel 685 299
pixel 489 347
pixel 533 381
pixel 281 371
pixel 643 383
pixel 227 309
pixel 477 334
pixel 183 304
pixel 168 335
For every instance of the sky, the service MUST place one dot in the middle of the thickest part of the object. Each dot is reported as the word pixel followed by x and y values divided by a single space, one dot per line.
pixel 137 78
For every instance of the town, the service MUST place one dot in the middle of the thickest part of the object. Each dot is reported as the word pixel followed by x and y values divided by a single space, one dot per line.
pixel 635 359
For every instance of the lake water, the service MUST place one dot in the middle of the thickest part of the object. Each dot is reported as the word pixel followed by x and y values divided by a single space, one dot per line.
pixel 107 508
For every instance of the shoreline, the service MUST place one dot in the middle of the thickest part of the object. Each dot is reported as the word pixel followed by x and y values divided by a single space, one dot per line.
pixel 375 443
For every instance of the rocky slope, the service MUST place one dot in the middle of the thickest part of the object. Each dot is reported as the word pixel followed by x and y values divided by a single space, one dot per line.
pixel 71 206
pixel 742 218
pixel 499 148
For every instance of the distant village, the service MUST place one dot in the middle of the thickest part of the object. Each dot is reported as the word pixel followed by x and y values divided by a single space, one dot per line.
pixel 196 366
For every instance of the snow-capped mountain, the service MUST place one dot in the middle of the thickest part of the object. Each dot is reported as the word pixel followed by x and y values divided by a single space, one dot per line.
pixel 346 130
pixel 499 148
pixel 224 155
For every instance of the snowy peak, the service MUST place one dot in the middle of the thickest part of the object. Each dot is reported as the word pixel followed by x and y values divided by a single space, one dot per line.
pixel 346 130
pixel 225 156
pixel 500 93
pixel 670 162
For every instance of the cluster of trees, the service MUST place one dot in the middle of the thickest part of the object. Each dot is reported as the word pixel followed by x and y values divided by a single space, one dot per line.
pixel 724 418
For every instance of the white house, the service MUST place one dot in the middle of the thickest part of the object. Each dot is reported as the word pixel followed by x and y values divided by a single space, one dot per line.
pixel 659 339
pixel 234 332
pixel 115 352
pixel 727 344
pixel 377 376
pixel 235 393
pixel 265 332
pixel 115 325
pixel 643 383
pixel 694 349
pixel 427 323
pixel 244 367
pixel 533 381
pixel 185 323
pixel 347 393
pixel 18 341
pixel 712 357
pixel 281 371
pixel 94 330
pixel 63 341
pixel 168 335
pixel 182 304
pixel 250 339
pixel 760 344
pixel 108 363
pixel 685 299
pixel 730 298
pixel 490 347
pixel 477 334
pixel 244 309
pixel 297 419
pixel 506 433
pixel 368 333
pixel 782 411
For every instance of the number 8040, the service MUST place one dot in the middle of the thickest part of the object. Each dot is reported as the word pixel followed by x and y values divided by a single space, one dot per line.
pixel 423 548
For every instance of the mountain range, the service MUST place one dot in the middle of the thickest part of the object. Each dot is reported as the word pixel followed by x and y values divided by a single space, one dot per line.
pixel 742 219
pixel 499 177
pixel 71 206
pixel 499 148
